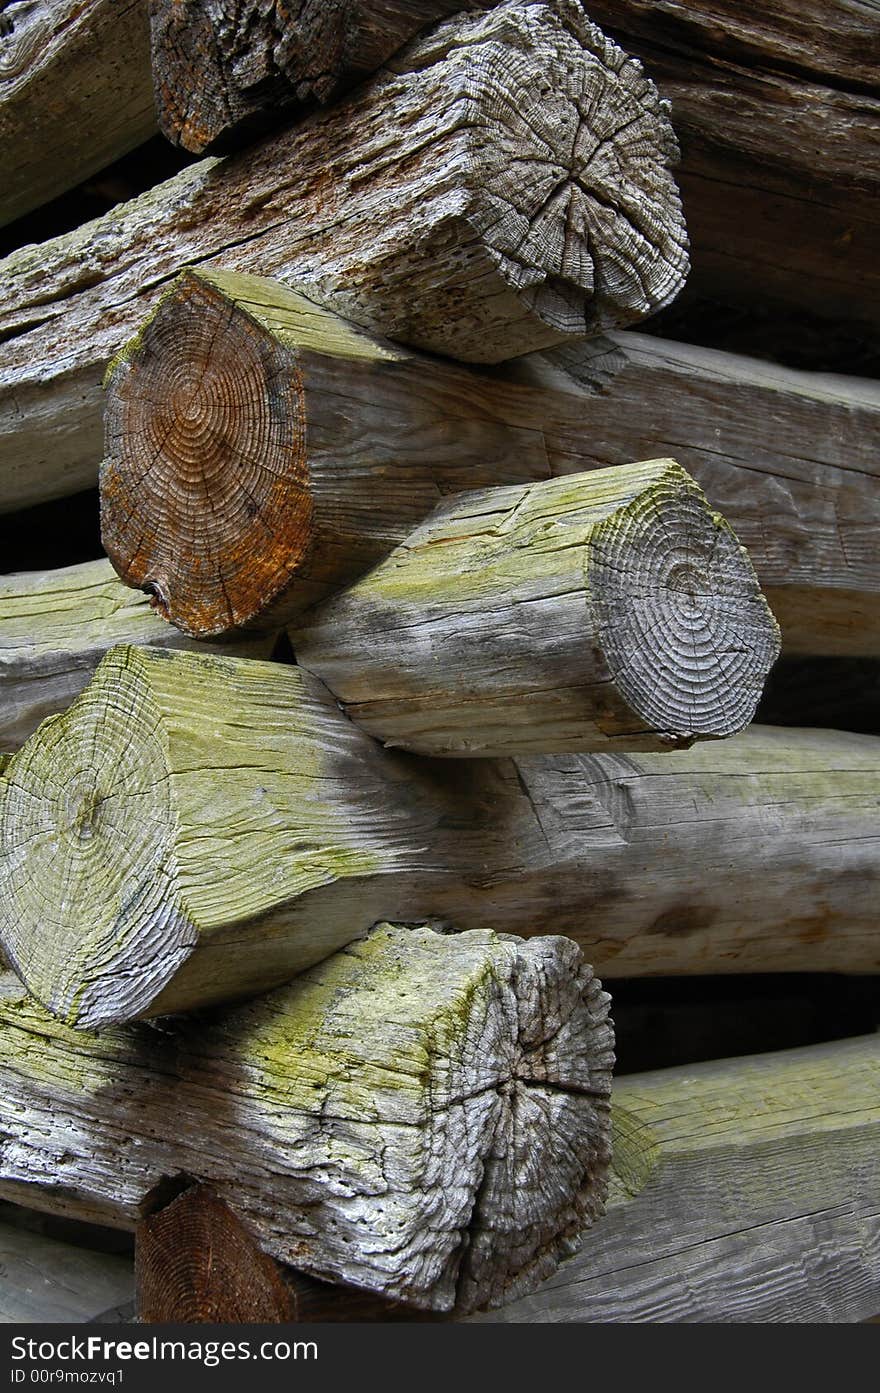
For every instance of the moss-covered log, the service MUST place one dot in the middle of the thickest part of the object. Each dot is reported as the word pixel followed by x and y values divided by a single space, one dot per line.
pixel 458 201
pixel 56 626
pixel 599 611
pixel 198 828
pixel 361 436
pixel 426 1116
pixel 75 94
pixel 223 72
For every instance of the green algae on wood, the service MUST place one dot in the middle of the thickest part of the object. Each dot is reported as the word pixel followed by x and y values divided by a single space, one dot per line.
pixel 55 626
pixel 605 610
pixel 196 828
pixel 366 1122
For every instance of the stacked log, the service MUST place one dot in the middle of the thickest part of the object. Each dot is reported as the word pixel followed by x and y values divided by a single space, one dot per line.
pixel 330 486
pixel 520 658
pixel 56 626
pixel 425 1116
pixel 454 203
pixel 211 802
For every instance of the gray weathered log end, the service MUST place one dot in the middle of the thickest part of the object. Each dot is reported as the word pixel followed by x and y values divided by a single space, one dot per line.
pixel 423 1115
pixel 610 609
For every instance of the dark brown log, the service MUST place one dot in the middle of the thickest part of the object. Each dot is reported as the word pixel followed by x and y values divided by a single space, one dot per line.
pixel 777 108
pixel 223 71
pixel 196 1263
pixel 197 828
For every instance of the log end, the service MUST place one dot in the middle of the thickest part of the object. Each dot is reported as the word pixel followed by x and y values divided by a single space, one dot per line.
pixel 682 623
pixel 205 412
pixel 92 920
pixel 575 198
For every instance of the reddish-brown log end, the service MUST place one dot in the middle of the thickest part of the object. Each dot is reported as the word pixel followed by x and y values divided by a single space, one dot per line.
pixel 196 1263
pixel 205 501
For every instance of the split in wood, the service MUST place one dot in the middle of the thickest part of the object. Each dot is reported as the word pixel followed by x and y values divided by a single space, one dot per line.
pixel 426 1116
pixel 187 805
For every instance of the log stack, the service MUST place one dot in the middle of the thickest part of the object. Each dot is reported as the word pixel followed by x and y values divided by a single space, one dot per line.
pixel 416 686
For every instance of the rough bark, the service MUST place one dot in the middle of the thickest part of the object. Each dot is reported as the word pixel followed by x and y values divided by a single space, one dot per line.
pixel 788 457
pixel 56 626
pixel 426 1116
pixel 454 202
pixel 777 108
pixel 198 828
pixel 743 1190
pixel 75 94
pixel 609 610
pixel 363 435
pixel 224 71
pixel 197 1263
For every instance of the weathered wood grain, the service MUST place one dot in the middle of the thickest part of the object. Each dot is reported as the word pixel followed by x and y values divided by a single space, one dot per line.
pixel 224 71
pixel 426 1116
pixel 75 94
pixel 56 626
pixel 454 202
pixel 778 111
pixel 363 436
pixel 45 1280
pixel 744 1190
pixel 788 457
pixel 608 610
pixel 197 1263
pixel 198 828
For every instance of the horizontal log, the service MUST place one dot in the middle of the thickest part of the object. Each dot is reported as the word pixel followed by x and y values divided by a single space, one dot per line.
pixel 777 108
pixel 452 202
pixel 224 71
pixel 609 610
pixel 56 626
pixel 788 457
pixel 742 1190
pixel 370 433
pixel 75 94
pixel 380 1107
pixel 186 805
pixel 48 1280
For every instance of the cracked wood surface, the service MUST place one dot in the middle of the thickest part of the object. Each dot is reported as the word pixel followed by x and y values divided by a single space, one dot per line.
pixel 75 94
pixel 197 828
pixel 56 626
pixel 742 1190
pixel 778 112
pixel 224 71
pixel 609 610
pixel 426 1116
pixel 319 447
pixel 503 185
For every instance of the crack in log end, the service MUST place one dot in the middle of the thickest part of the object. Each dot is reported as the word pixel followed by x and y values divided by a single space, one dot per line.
pixel 667 576
pixel 87 820
pixel 205 416
pixel 575 198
